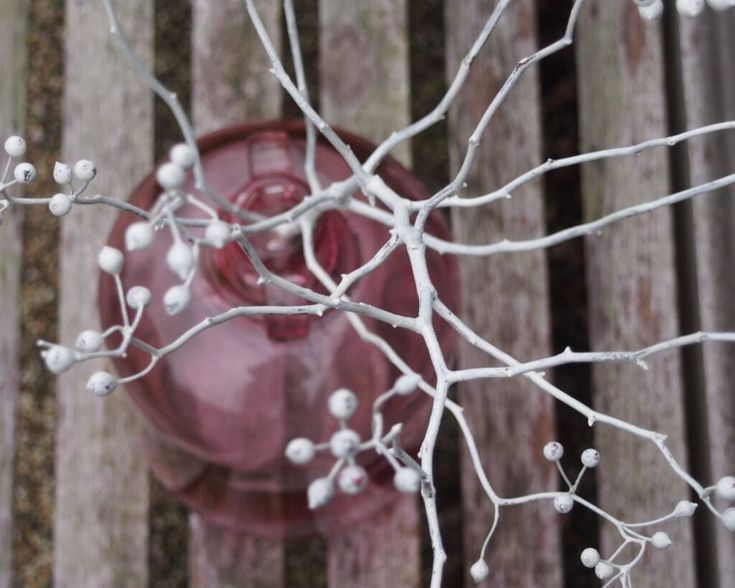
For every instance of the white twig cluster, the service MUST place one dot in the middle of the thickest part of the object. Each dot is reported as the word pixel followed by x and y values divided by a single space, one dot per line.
pixel 405 222
pixel 345 444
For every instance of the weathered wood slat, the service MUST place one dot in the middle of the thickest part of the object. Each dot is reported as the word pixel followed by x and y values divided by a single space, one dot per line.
pixel 363 64
pixel 221 558
pixel 707 54
pixel 505 299
pixel 363 54
pixel 101 518
pixel 12 118
pixel 232 83
pixel 631 277
pixel 231 79
pixel 383 552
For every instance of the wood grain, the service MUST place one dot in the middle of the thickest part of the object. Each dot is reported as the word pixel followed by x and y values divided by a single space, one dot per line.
pixel 381 552
pixel 12 120
pixel 365 88
pixel 101 513
pixel 231 79
pixel 631 278
pixel 363 63
pixel 223 558
pixel 232 83
pixel 505 299
pixel 707 52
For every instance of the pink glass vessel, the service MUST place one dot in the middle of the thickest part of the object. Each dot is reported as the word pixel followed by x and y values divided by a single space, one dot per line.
pixel 224 406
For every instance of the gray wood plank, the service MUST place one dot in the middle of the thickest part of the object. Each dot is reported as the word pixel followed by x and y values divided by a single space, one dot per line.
pixel 631 278
pixel 231 81
pixel 363 62
pixel 706 57
pixel 12 119
pixel 382 552
pixel 231 84
pixel 505 299
pixel 365 88
pixel 102 482
pixel 228 559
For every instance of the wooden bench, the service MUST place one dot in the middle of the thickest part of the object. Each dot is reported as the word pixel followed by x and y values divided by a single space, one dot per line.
pixel 88 490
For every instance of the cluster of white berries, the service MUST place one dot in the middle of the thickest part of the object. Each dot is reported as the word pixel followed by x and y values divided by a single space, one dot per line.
pixel 652 9
pixel 24 173
pixel 84 170
pixel 553 452
pixel 345 444
pixel 15 148
pixel 59 358
pixel 171 175
pixel 725 489
pixel 605 569
pixel 111 261
pixel 181 257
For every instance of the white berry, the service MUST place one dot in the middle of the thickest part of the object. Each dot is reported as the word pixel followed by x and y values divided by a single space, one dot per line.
pixel 15 146
pixel 720 5
pixel 300 451
pixel 62 173
pixel 138 296
pixel 590 458
pixel 661 540
pixel 553 451
pixel 176 299
pixel 604 571
pixel 24 173
pixel 689 7
pixel 110 260
pixel 728 517
pixel 182 155
pixel 170 176
pixel 726 488
pixel 479 570
pixel 89 341
pixel 138 236
pixel 342 403
pixel 685 509
pixel 651 11
pixel 102 383
pixel 320 492
pixel 85 170
pixel 58 358
pixel 563 503
pixel 407 480
pixel 352 479
pixel 406 384
pixel 344 443
pixel 590 557
pixel 180 259
pixel 60 204
pixel 217 233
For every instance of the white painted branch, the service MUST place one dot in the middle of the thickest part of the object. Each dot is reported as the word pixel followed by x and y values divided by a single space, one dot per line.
pixel 406 221
pixel 568 356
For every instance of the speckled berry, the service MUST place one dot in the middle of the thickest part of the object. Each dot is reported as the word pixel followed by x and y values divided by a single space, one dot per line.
pixel 342 403
pixel 300 451
pixel 553 451
pixel 344 443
